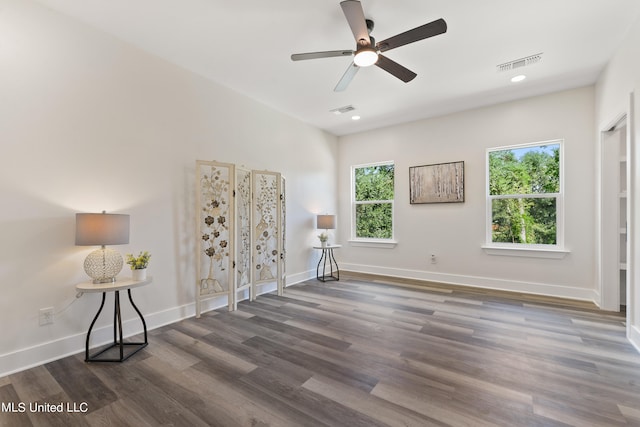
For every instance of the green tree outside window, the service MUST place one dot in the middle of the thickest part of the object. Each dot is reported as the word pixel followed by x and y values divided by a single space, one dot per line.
pixel 373 201
pixel 524 187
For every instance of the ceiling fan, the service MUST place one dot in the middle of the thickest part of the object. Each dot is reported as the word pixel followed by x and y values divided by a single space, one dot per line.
pixel 368 52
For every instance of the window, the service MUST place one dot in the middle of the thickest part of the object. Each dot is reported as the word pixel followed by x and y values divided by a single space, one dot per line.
pixel 524 206
pixel 372 198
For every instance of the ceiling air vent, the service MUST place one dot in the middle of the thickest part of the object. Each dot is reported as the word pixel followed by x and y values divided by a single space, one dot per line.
pixel 522 62
pixel 343 110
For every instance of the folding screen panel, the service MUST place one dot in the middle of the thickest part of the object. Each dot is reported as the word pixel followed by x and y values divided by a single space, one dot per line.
pixel 267 224
pixel 215 219
pixel 283 227
pixel 243 235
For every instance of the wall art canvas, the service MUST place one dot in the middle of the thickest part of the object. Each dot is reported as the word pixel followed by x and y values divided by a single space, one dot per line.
pixel 438 183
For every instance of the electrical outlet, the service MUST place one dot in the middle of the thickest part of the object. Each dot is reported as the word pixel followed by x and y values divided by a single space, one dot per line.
pixel 433 259
pixel 45 316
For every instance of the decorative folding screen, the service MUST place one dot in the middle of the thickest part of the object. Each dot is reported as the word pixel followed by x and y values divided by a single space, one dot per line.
pixel 215 217
pixel 240 215
pixel 267 229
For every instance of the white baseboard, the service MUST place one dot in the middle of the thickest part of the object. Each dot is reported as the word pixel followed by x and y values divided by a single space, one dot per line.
pixel 300 277
pixel 634 336
pixel 479 282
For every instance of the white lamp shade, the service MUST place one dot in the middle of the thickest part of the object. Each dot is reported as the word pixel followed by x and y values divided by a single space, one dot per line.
pixel 99 229
pixel 327 222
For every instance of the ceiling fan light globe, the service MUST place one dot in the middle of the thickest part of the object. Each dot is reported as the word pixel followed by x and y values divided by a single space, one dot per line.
pixel 365 57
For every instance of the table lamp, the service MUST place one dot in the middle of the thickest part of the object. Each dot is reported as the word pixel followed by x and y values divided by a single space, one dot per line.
pixel 326 222
pixel 101 229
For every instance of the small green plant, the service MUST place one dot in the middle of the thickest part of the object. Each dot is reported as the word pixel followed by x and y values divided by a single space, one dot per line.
pixel 139 262
pixel 323 237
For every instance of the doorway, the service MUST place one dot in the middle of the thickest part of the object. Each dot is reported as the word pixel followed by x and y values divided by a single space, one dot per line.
pixel 615 205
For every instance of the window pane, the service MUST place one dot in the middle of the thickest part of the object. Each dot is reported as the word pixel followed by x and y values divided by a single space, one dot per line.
pixel 527 170
pixel 374 183
pixel 524 220
pixel 374 220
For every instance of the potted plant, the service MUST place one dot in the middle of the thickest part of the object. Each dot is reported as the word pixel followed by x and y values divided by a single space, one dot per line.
pixel 139 265
pixel 324 237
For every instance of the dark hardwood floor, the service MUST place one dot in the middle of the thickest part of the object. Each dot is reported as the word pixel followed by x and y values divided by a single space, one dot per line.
pixel 357 352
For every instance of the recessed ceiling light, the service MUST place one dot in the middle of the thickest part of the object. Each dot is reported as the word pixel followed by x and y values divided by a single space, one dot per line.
pixel 518 78
pixel 355 117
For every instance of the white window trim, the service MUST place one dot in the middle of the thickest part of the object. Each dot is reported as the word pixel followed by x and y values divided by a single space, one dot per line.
pixel 556 251
pixel 530 251
pixel 372 242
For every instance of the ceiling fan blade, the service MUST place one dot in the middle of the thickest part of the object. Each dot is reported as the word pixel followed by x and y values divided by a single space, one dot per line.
pixel 396 69
pixel 355 17
pixel 346 78
pixel 422 32
pixel 316 55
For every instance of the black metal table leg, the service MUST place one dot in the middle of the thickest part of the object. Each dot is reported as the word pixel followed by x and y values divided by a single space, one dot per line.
pixel 86 351
pixel 144 324
pixel 337 275
pixel 118 336
pixel 327 255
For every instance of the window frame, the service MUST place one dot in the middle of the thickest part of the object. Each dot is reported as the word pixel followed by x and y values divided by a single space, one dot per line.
pixel 556 250
pixel 370 241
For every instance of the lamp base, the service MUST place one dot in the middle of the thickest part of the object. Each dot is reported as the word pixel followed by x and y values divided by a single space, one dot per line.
pixel 103 281
pixel 103 265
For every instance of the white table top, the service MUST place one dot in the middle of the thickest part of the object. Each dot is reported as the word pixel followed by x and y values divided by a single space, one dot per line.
pixel 118 285
pixel 327 247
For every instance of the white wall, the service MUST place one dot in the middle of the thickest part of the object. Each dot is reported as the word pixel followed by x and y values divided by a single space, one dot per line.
pixel 615 96
pixel 90 123
pixel 455 232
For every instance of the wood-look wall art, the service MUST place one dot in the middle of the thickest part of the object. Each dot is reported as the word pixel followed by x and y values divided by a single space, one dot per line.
pixel 439 183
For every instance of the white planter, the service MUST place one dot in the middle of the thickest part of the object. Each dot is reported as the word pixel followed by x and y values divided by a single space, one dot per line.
pixel 140 274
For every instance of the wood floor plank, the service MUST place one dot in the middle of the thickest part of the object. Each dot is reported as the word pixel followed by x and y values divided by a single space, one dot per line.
pixel 13 415
pixel 152 401
pixel 321 409
pixel 119 413
pixel 302 333
pixel 338 372
pixel 367 403
pixel 256 408
pixel 36 384
pixel 427 407
pixel 171 354
pixel 362 351
pixel 203 351
pixel 80 383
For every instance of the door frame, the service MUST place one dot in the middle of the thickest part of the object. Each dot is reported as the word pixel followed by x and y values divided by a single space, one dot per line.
pixel 608 268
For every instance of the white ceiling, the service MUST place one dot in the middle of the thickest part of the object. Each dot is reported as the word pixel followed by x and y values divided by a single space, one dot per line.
pixel 246 45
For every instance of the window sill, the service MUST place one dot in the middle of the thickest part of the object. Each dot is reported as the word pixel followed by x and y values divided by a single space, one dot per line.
pixel 529 252
pixel 386 244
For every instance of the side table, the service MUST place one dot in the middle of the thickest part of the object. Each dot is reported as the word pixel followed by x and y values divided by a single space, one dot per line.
pixel 327 255
pixel 118 339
